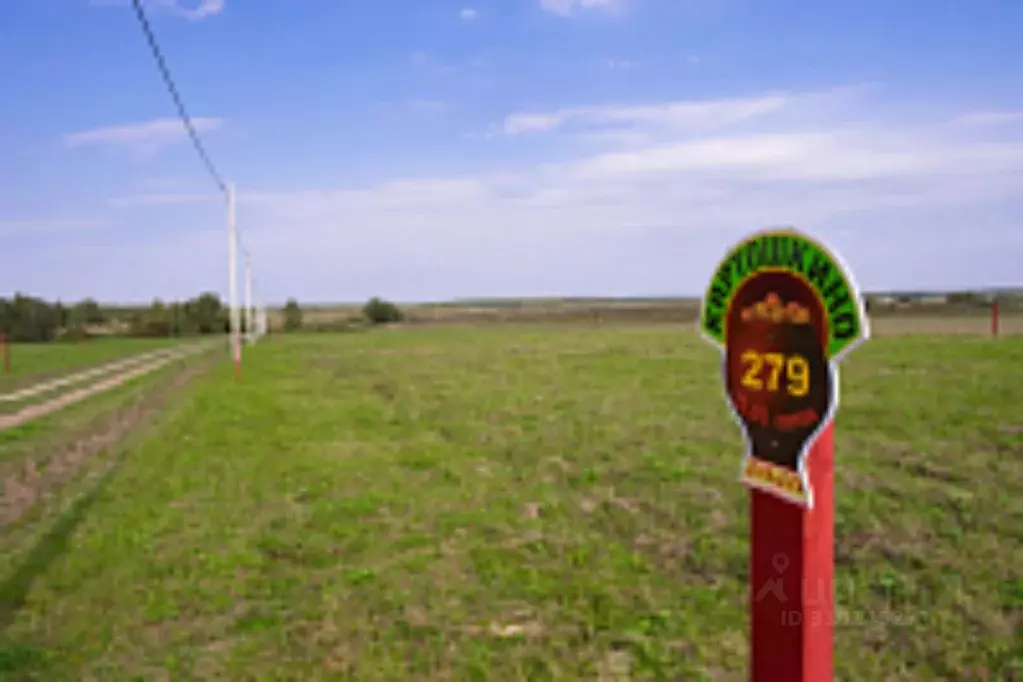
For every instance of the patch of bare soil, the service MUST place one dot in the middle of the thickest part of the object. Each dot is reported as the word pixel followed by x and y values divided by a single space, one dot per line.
pixel 27 482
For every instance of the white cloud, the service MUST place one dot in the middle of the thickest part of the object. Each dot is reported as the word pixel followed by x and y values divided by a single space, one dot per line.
pixel 192 11
pixel 468 13
pixel 517 124
pixel 823 156
pixel 566 8
pixel 205 8
pixel 143 137
pixel 652 218
pixel 689 114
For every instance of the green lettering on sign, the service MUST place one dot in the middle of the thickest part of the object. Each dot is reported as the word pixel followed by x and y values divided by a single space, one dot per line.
pixel 790 251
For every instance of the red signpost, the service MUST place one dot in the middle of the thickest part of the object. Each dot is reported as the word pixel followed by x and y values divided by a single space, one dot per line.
pixel 994 317
pixel 791 577
pixel 784 310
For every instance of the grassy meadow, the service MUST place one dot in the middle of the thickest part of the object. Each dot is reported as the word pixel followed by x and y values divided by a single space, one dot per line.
pixel 518 503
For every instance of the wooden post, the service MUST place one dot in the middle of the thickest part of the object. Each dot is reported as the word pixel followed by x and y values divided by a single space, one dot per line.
pixel 783 310
pixel 994 317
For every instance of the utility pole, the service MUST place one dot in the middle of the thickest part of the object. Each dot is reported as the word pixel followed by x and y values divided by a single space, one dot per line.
pixel 232 267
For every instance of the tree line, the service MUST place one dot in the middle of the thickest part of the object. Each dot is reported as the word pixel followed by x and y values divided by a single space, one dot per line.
pixel 26 318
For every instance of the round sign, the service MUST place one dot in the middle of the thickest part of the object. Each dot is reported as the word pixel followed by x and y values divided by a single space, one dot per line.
pixel 782 309
pixel 777 376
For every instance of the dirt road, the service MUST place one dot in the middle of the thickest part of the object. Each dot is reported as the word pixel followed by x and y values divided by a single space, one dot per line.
pixel 79 377
pixel 134 370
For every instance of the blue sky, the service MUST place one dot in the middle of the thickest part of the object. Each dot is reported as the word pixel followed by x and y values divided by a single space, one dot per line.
pixel 427 149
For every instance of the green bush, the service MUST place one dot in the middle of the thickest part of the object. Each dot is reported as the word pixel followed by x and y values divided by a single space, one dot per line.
pixel 292 316
pixel 378 311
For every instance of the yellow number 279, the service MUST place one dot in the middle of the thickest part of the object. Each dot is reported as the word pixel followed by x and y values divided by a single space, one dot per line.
pixel 796 369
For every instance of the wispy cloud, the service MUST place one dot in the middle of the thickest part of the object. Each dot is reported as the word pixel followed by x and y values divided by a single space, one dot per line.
pixel 192 11
pixel 567 8
pixel 144 137
pixel 831 165
pixel 468 13
pixel 821 156
pixel 669 204
pixel 673 114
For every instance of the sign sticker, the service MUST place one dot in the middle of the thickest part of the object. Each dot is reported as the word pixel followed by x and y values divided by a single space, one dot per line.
pixel 783 310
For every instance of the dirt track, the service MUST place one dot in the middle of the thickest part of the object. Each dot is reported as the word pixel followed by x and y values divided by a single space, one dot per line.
pixel 78 377
pixel 29 480
pixel 63 400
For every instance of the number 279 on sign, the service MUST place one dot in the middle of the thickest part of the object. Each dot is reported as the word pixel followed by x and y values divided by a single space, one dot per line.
pixel 795 367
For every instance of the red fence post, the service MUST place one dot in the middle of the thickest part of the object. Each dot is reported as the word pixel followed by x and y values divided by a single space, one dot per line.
pixel 6 349
pixel 994 317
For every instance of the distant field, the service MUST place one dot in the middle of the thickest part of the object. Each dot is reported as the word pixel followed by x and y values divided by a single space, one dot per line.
pixel 514 504
pixel 925 317
pixel 36 361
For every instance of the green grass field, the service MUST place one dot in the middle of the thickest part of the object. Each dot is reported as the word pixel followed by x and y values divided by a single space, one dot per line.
pixel 36 361
pixel 521 504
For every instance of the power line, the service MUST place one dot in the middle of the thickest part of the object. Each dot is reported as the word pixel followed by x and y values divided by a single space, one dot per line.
pixel 176 96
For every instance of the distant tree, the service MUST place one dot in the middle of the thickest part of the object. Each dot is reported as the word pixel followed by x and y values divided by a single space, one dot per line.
pixel 378 311
pixel 965 298
pixel 292 316
pixel 88 312
pixel 206 314
pixel 28 319
pixel 62 314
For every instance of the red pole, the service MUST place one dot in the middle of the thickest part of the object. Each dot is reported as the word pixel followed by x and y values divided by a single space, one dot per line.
pixel 781 301
pixel 994 318
pixel 6 352
pixel 792 598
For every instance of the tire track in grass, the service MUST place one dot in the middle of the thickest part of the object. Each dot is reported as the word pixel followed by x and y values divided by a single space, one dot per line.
pixel 53 543
pixel 79 377
pixel 61 401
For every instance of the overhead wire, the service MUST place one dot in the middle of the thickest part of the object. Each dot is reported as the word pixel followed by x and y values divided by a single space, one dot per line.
pixel 179 103
pixel 161 63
